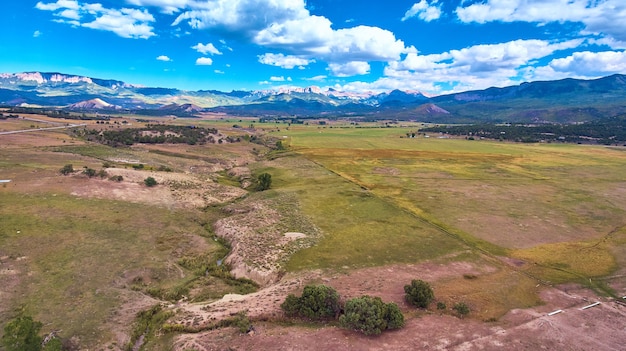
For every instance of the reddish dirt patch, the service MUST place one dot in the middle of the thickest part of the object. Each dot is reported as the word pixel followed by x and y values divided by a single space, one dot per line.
pixel 597 328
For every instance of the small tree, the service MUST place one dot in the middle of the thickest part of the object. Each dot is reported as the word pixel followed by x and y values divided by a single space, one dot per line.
pixel 371 316
pixel 461 308
pixel 317 302
pixel 419 293
pixel 21 334
pixel 393 316
pixel 264 181
pixel 90 172
pixel 150 182
pixel 67 169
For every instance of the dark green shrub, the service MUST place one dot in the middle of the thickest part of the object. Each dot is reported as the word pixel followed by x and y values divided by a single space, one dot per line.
pixel 89 172
pixel 371 316
pixel 461 308
pixel 317 302
pixel 441 305
pixel 264 181
pixel 419 293
pixel 22 334
pixel 67 169
pixel 150 182
pixel 291 305
pixel 393 316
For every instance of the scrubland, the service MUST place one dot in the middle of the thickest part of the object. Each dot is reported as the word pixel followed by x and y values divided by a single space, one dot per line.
pixel 513 230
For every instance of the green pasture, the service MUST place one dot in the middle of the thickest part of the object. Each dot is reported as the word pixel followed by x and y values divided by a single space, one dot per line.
pixel 539 202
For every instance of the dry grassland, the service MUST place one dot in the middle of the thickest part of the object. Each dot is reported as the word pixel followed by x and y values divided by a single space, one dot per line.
pixel 515 231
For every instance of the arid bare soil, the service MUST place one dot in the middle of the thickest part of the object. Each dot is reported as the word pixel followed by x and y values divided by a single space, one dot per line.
pixel 175 190
pixel 597 328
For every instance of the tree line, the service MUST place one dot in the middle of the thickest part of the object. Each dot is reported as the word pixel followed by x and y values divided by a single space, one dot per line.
pixel 606 131
pixel 154 134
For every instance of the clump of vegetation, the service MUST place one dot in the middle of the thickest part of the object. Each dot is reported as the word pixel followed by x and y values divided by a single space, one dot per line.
pixel 150 182
pixel 419 293
pixel 67 169
pixel 116 178
pixel 89 172
pixel 147 324
pixel 461 309
pixel 371 316
pixel 102 174
pixel 264 181
pixel 441 305
pixel 241 322
pixel 605 131
pixel 317 302
pixel 153 134
pixel 22 334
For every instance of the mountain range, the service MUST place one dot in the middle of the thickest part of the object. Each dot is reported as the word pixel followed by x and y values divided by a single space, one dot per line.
pixel 562 101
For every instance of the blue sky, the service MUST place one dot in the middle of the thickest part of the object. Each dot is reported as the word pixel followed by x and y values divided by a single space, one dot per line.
pixel 433 46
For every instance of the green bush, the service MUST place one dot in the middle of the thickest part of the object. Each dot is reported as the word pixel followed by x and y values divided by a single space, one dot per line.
pixel 291 305
pixel 419 293
pixel 21 334
pixel 264 181
pixel 317 302
pixel 89 172
pixel 67 169
pixel 441 305
pixel 393 316
pixel 150 182
pixel 371 316
pixel 461 308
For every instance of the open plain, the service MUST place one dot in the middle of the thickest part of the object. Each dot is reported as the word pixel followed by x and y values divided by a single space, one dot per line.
pixel 515 231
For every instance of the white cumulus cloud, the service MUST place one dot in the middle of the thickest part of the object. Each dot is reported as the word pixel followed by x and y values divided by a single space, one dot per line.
pixel 287 25
pixel 591 64
pixel 208 48
pixel 125 22
pixel 204 61
pixel 424 10
pixel 60 4
pixel 607 17
pixel 280 79
pixel 166 6
pixel 474 67
pixel 284 61
pixel 349 69
pixel 164 58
